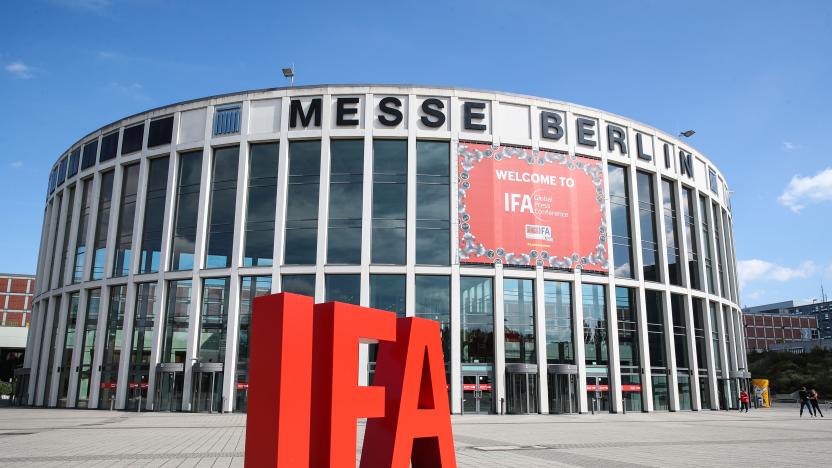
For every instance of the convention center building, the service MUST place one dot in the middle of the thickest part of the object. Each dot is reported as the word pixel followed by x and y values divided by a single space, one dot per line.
pixel 576 260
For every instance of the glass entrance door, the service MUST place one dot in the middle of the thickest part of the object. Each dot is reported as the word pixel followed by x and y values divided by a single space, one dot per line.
pixel 477 397
pixel 169 390
pixel 207 388
pixel 598 393
pixel 521 393
pixel 562 393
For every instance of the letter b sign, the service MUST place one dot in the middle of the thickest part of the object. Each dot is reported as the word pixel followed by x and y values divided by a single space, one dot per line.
pixel 304 398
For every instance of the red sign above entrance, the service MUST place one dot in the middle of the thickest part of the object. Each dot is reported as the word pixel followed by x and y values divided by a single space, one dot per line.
pixel 519 206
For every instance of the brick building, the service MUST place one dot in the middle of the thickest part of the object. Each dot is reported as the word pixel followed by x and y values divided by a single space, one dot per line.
pixel 762 330
pixel 15 313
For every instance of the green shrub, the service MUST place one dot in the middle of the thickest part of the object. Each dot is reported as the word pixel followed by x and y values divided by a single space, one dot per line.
pixel 6 388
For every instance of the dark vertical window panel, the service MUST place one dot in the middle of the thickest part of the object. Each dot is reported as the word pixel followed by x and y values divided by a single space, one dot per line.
pixel 345 201
pixel 70 208
pixel 109 147
pixel 389 239
pixel 671 227
pixel 655 330
pixel 160 132
pixel 177 317
pixel 213 320
pixel 53 339
pixel 57 205
pixel 131 140
pixel 688 209
pixel 699 335
pixel 81 235
pixel 387 292
pixel 144 319
pixel 680 341
pixel 126 216
pixel 433 302
pixel 560 346
pixel 105 201
pixel 719 258
pixel 251 287
pixel 518 306
pixel 74 162
pixel 706 244
pixel 111 352
pixel 628 344
pixel 69 348
pixel 343 288
pixel 223 207
pixel 647 221
pixel 433 202
pixel 596 341
pixel 299 284
pixel 187 208
pixel 262 202
pixel 154 215
pixel 477 315
pixel 620 213
pixel 88 348
pixel 301 246
pixel 61 172
pixel 90 153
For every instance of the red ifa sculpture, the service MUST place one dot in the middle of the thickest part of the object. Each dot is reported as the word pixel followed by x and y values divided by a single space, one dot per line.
pixel 304 398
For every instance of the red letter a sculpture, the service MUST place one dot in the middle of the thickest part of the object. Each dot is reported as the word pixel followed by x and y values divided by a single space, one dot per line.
pixel 416 427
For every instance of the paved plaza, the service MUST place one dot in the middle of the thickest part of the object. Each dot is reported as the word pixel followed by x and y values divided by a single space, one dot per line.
pixel 774 437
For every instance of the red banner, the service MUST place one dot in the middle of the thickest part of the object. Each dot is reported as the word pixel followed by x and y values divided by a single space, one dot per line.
pixel 631 388
pixel 134 385
pixel 597 388
pixel 523 207
pixel 242 386
pixel 108 385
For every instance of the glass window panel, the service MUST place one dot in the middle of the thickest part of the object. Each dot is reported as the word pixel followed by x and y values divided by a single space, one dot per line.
pixel 160 132
pixel 518 306
pixel 69 348
pixel 142 342
pixel 674 273
pixel 213 320
pixel 387 292
pixel 706 243
pixel 262 202
pixel 131 140
pixel 345 201
pixel 223 207
pixel 126 216
pixel 433 301
pixel 299 284
pixel 105 199
pixel 154 215
pixel 90 153
pixel 187 209
pixel 88 348
pixel 677 307
pixel 113 336
pixel 628 344
pixel 81 237
pixel 343 288
pixel 477 314
pixel 558 302
pixel 620 214
pixel 109 147
pixel 251 287
pixel 389 202
pixel 433 202
pixel 655 329
pixel 647 220
pixel 177 317
pixel 70 207
pixel 302 203
pixel 690 237
pixel 595 324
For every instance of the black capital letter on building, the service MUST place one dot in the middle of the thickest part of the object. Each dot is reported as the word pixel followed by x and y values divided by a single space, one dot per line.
pixel 551 125
pixel 585 131
pixel 686 163
pixel 469 115
pixel 640 149
pixel 390 105
pixel 431 107
pixel 616 134
pixel 342 112
pixel 667 156
pixel 297 110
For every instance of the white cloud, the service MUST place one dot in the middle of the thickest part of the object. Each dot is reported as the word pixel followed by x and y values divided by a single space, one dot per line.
pixel 16 164
pixel 756 270
pixel 20 70
pixel 789 146
pixel 811 189
pixel 108 55
pixel 131 90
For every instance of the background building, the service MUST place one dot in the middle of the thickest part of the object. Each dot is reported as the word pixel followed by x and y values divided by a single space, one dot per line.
pixel 820 310
pixel 15 313
pixel 764 330
pixel 160 228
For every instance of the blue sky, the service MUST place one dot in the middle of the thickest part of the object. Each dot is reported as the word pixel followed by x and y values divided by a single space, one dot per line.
pixel 753 79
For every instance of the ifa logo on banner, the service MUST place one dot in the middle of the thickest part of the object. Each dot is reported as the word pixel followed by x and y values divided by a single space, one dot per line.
pixel 304 400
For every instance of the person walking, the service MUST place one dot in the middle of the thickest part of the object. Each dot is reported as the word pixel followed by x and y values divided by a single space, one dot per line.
pixel 813 400
pixel 744 401
pixel 803 395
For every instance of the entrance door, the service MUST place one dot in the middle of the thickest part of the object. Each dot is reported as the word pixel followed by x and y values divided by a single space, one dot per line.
pixel 207 396
pixel 169 390
pixel 476 394
pixel 562 393
pixel 521 393
pixel 598 393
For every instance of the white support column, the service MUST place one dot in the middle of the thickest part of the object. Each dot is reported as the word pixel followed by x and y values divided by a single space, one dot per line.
pixel 499 341
pixel 34 345
pixel 644 352
pixel 578 340
pixel 456 348
pixel 45 345
pixel 670 352
pixel 282 188
pixel 323 203
pixel 366 231
pixel 410 294
pixel 540 341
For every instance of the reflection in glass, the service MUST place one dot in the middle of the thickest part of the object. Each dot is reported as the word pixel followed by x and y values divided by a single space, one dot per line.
pixel 223 204
pixel 558 299
pixel 141 343
pixel 302 202
pixel 433 301
pixel 67 225
pixel 477 314
pixel 518 304
pixel 655 329
pixel 177 316
pixel 345 201
pixel 187 208
pixel 647 221
pixel 81 238
pixel 690 238
pixel 299 284
pixel 261 205
pixel 387 292
pixel 674 273
pixel 595 324
pixel 113 336
pixel 213 320
pixel 620 214
pixel 252 286
pixel 154 215
pixel 69 348
pixel 126 215
pixel 343 288
pixel 389 202
pixel 105 199
pixel 433 203
pixel 718 250
pixel 706 243
pixel 88 348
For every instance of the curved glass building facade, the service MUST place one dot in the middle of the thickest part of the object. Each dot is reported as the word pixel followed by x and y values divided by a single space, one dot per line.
pixel 161 228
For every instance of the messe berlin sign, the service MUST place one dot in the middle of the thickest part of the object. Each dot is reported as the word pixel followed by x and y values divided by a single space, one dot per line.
pixel 519 206
pixel 304 399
